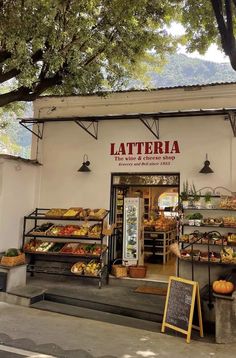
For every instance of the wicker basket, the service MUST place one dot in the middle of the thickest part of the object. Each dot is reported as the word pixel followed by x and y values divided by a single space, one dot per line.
pixel 13 260
pixel 137 271
pixel 119 270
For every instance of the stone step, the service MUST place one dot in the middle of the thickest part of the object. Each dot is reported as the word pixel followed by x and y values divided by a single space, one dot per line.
pixel 145 308
pixel 23 295
pixel 97 315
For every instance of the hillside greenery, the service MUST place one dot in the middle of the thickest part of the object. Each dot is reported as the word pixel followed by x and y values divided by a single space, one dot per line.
pixel 182 70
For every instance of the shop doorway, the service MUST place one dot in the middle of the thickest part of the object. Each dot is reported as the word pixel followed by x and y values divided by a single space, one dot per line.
pixel 159 200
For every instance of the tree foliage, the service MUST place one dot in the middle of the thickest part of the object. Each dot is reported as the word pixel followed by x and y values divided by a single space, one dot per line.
pixel 211 21
pixel 83 46
pixel 78 46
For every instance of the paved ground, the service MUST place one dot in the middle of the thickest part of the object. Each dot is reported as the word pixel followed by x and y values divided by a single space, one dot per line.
pixel 70 337
pixel 11 352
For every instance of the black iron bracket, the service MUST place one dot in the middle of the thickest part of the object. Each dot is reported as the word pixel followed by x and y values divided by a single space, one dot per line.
pixel 152 125
pixel 232 118
pixel 91 127
pixel 32 123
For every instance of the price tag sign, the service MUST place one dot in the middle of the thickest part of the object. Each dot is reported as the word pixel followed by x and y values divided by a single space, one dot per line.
pixel 182 298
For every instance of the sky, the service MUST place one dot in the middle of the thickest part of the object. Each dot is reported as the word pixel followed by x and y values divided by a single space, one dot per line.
pixel 213 54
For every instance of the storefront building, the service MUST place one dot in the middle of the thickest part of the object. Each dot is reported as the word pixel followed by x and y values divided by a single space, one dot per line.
pixel 124 145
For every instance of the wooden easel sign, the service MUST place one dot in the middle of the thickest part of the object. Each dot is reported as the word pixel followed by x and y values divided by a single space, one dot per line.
pixel 182 297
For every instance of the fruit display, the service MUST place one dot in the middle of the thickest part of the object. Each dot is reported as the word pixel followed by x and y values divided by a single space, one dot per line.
pixel 212 221
pixel 55 213
pixel 189 254
pixel 78 268
pixel 213 256
pixel 69 248
pixel 95 230
pixel 229 221
pixel 228 202
pixel 92 249
pixel 223 287
pixel 56 247
pixel 96 214
pixel 90 269
pixel 72 212
pixel 205 238
pixel 62 248
pixel 232 238
pixel 42 229
pixel 55 230
pixel 161 224
pixel 226 255
pixel 32 245
pixel 44 246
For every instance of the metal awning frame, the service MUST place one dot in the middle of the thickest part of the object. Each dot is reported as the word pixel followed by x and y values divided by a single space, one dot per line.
pixel 32 123
pixel 150 120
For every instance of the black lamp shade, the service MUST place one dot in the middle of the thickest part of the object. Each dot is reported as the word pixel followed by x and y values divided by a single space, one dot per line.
pixel 206 169
pixel 84 167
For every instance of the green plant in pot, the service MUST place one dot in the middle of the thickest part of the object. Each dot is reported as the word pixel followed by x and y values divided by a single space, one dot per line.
pixel 208 200
pixel 184 195
pixel 195 219
pixel 195 197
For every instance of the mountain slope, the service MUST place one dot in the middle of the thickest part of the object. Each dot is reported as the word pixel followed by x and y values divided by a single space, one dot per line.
pixel 181 70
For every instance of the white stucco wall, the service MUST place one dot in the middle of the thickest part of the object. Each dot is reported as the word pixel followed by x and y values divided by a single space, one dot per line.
pixel 18 193
pixel 64 144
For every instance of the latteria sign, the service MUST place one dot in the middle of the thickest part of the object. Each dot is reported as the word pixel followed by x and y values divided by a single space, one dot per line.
pixel 145 153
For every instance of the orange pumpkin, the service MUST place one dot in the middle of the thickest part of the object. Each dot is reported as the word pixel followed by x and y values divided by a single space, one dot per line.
pixel 223 287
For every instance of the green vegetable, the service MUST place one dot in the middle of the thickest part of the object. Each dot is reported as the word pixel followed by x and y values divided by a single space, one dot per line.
pixel 195 216
pixel 11 252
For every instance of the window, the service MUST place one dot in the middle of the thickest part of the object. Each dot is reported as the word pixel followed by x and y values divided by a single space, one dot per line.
pixel 168 200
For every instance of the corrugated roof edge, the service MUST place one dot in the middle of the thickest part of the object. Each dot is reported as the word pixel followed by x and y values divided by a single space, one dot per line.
pixel 185 87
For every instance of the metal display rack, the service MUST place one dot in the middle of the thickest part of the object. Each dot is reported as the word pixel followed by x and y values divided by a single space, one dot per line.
pixel 64 260
pixel 196 236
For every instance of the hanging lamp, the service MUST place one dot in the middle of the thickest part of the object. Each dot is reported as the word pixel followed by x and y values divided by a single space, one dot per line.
pixel 206 169
pixel 85 165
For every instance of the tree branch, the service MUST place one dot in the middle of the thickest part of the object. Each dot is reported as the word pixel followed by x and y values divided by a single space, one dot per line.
pixel 8 75
pixel 38 55
pixel 228 10
pixel 225 28
pixel 217 8
pixel 28 94
pixel 4 55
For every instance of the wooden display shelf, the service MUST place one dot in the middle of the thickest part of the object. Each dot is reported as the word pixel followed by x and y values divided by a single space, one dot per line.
pixel 207 262
pixel 212 209
pixel 212 226
pixel 72 237
pixel 212 244
pixel 62 254
pixel 63 257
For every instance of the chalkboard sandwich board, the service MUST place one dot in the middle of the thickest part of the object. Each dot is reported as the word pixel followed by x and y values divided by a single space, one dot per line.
pixel 182 297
